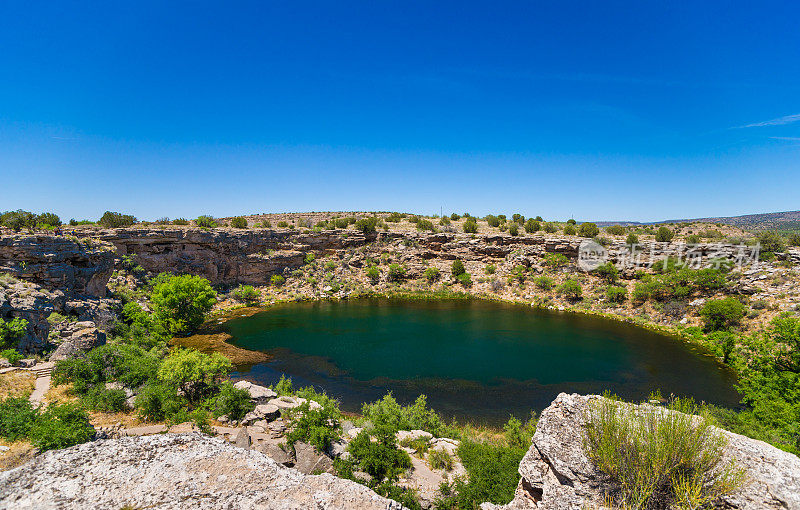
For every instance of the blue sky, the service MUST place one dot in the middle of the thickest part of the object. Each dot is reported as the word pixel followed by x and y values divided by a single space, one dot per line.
pixel 597 110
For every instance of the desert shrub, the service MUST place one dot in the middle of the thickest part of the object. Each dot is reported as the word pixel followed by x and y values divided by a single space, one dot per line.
pixel 722 314
pixel 284 224
pixel 239 222
pixel 675 309
pixel 12 355
pixel 61 426
pixel 17 220
pixel 455 217
pixel 231 401
pixel 277 280
pixel 397 272
pixel 570 230
pixel 492 220
pixel 550 228
pixel 588 230
pixel 615 230
pixel 709 279
pixel 394 217
pixel 205 221
pixel 794 240
pixel 444 221
pixel 387 411
pixel 180 303
pixel 457 268
pixel 490 269
pixel 440 459
pixel 771 243
pixel 180 221
pixel 544 282
pixel 607 272
pixel 367 225
pixel 470 226
pixel 425 225
pixel 195 374
pixel 48 218
pixel 246 294
pixel 431 274
pixel 464 279
pixel 615 294
pixel 16 418
pixel 519 273
pixel 284 386
pixel 513 229
pixel 317 427
pixel 374 274
pixel 100 398
pixel 532 226
pixel 632 239
pixel 570 289
pixel 11 332
pixel 663 234
pixel 309 258
pixel 116 220
pixel 555 259
pixel 693 239
pixel 657 458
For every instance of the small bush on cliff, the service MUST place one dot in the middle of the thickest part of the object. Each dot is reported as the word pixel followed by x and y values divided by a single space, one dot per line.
pixel 659 459
pixel 722 314
pixel 513 229
pixel 374 274
pixel 11 332
pixel 550 228
pixel 544 282
pixel 532 226
pixel 317 427
pixel 571 290
pixel 464 279
pixel 61 426
pixel 231 401
pixel 457 268
pixel 615 230
pixel 632 239
pixel 17 220
pixel 205 221
pixel 180 221
pixel 277 280
pixel 569 230
pixel 180 303
pixel 396 417
pixel 246 294
pixel 431 274
pixel 368 225
pixel 588 230
pixel 426 225
pixel 397 272
pixel 470 226
pixel 607 272
pixel 116 220
pixel 663 234
pixel 239 222
pixel 159 402
pixel 615 294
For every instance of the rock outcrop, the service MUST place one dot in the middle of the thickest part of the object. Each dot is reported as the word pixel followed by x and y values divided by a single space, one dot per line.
pixel 174 471
pixel 557 474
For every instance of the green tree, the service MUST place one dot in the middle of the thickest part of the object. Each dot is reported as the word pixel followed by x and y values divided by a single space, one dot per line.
pixel 239 222
pixel 569 230
pixel 180 303
pixel 48 218
pixel 205 221
pixel 116 220
pixel 197 375
pixel 607 272
pixel 632 239
pixel 588 230
pixel 367 225
pixel 457 268
pixel 722 314
pixel 17 220
pixel 571 290
pixel 11 332
pixel 663 234
pixel 532 226
pixel 470 226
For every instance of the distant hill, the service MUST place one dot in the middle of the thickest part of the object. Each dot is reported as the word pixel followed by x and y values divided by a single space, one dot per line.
pixel 787 220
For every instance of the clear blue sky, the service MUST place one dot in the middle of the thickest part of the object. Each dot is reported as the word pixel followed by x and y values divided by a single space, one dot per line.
pixel 599 110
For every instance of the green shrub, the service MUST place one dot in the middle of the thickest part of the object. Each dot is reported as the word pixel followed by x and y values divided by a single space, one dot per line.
pixel 571 290
pixel 455 217
pixel 247 294
pixel 794 240
pixel 100 398
pixel 387 411
pixel 444 221
pixel 116 220
pixel 663 235
pixel 317 427
pixel 180 221
pixel 205 221
pixel 239 222
pixel 659 459
pixel 159 402
pixel 532 226
pixel 771 243
pixel 309 258
pixel 284 386
pixel 76 371
pixel 12 355
pixel 490 269
pixel 374 274
pixel 17 220
pixel 513 229
pixel 632 239
pixel 284 224
pixel 693 239
pixel 61 426
pixel 615 230
pixel 607 272
pixel 470 226
pixel 11 332
pixel 48 218
pixel 722 314
pixel 16 418
pixel 555 259
pixel 231 401
pixel 457 268
pixel 367 225
pixel 431 274
pixel 440 459
pixel 464 279
pixel 197 375
pixel 397 272
pixel 550 228
pixel 571 221
pixel 709 280
pixel 492 220
pixel 588 230
pixel 615 294
pixel 544 282
pixel 180 303
pixel 381 459
pixel 569 230
pixel 425 225
pixel 519 273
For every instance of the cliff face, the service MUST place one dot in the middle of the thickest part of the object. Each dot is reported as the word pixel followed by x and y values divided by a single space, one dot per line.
pixel 557 474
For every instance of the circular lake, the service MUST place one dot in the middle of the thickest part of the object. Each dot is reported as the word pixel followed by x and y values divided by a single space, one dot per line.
pixel 474 359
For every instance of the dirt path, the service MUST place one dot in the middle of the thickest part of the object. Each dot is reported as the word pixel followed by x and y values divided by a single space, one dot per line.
pixel 43 372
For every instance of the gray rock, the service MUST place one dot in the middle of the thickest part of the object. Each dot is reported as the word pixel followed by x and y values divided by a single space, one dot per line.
pixel 242 438
pixel 80 342
pixel 172 472
pixel 276 453
pixel 557 474
pixel 260 394
pixel 309 460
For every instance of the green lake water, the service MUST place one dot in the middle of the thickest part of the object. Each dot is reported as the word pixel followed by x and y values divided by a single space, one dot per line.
pixel 474 359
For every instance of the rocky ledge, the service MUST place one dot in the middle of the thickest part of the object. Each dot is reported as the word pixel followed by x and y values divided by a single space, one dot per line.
pixel 174 471
pixel 556 473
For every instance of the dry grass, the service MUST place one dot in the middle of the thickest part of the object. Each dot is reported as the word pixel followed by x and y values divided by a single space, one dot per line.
pixel 19 452
pixel 60 393
pixel 18 383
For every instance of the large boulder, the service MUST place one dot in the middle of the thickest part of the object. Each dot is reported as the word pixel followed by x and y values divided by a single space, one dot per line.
pixel 174 471
pixel 557 474
pixel 77 345
pixel 260 394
